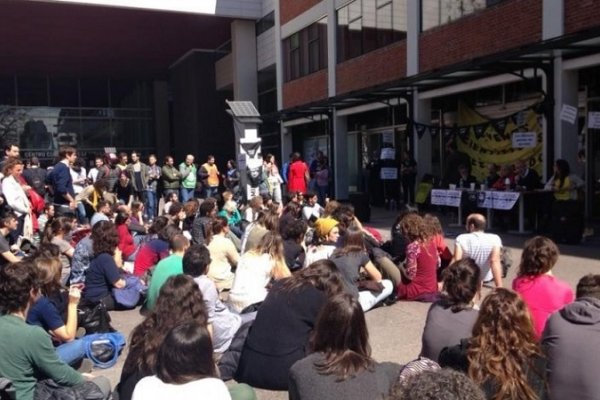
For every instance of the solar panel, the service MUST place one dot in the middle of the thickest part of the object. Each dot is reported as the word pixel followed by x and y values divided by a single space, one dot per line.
pixel 243 108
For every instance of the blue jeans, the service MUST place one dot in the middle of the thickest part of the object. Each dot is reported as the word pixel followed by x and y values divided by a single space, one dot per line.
pixel 186 194
pixel 71 352
pixel 151 204
pixel 210 191
pixel 81 214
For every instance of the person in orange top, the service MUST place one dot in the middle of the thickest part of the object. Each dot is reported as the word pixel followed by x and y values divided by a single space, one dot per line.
pixel 209 174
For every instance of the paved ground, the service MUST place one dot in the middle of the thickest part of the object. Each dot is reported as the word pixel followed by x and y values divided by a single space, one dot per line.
pixel 395 331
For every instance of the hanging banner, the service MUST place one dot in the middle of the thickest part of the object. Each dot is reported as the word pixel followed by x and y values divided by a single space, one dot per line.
pixel 448 132
pixel 443 197
pixel 499 125
pixel 568 113
pixel 522 140
pixel 594 120
pixel 388 153
pixel 463 132
pixel 387 136
pixel 388 174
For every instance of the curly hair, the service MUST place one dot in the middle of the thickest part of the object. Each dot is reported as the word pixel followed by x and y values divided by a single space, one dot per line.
pixel 432 225
pixel 105 238
pixel 413 228
pixel 444 384
pixel 461 283
pixel 295 230
pixel 179 300
pixel 16 282
pixel 539 255
pixel 503 345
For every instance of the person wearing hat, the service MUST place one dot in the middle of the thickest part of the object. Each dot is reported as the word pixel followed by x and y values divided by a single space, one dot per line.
pixel 325 236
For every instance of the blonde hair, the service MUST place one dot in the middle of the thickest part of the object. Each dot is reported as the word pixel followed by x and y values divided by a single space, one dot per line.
pixel 272 244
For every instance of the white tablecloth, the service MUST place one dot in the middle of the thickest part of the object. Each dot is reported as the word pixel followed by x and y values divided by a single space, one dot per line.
pixel 496 200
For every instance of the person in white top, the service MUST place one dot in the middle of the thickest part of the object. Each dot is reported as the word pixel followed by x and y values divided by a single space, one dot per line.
pixel 325 237
pixel 185 368
pixel 79 176
pixel 255 270
pixel 483 248
pixel 16 198
pixel 93 172
pixel 224 256
pixel 312 210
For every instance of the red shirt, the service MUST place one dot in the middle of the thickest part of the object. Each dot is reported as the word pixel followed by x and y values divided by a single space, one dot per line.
pixel 421 266
pixel 126 244
pixel 296 177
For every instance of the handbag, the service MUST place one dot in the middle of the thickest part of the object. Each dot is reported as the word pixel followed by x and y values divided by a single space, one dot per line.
pixel 103 349
pixel 47 389
pixel 370 285
pixel 130 295
pixel 94 318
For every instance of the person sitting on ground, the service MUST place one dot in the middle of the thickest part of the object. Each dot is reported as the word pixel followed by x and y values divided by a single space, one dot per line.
pixel 482 247
pixel 341 366
pixel 325 238
pixel 540 290
pixel 170 266
pixel 452 317
pixel 266 222
pixel 225 323
pixel 444 384
pixel 104 272
pixel 91 196
pixel 103 212
pixel 290 213
pixel 7 225
pixel 231 213
pixel 156 249
pixel 56 232
pixel 28 356
pixel 170 199
pixel 293 250
pixel 571 341
pixel 48 310
pixel 224 255
pixel 312 210
pixel 137 212
pixel 502 356
pixel 179 301
pixel 124 189
pixel 351 259
pixel 84 252
pixel 190 208
pixel 506 173
pixel 254 206
pixel 281 331
pixel 185 368
pixel 437 235
pixel 128 247
pixel 45 217
pixel 419 274
pixel 255 270
pixel 201 227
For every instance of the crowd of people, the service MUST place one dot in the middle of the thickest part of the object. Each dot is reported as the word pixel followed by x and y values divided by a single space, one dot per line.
pixel 268 292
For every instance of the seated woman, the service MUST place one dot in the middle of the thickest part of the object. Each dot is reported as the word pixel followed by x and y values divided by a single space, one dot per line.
pixel 281 331
pixel 224 255
pixel 231 213
pixel 185 368
pixel 88 199
pixel 540 290
pixel 255 270
pixel 170 199
pixel 290 214
pixel 27 352
pixel 294 252
pixel 128 247
pixel 179 301
pixel 350 259
pixel 267 221
pixel 137 212
pixel 341 366
pixel 104 272
pixel 190 208
pixel 44 218
pixel 419 275
pixel 452 317
pixel 47 312
pixel 502 356
pixel 564 184
pixel 506 176
pixel 437 236
pixel 325 237
pixel 55 233
pixel 155 249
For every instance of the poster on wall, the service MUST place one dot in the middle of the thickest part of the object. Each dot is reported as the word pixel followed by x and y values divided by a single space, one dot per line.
pixel 594 120
pixel 387 137
pixel 524 140
pixel 388 174
pixel 568 113
pixel 388 153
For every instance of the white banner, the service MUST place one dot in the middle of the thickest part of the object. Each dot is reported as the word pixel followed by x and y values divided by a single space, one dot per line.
pixel 497 200
pixel 443 197
pixel 388 174
pixel 594 120
pixel 388 153
pixel 568 113
pixel 521 140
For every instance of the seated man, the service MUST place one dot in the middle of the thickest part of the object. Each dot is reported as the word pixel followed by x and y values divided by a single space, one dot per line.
pixel 8 224
pixel 571 342
pixel 464 177
pixel 312 210
pixel 525 177
pixel 28 355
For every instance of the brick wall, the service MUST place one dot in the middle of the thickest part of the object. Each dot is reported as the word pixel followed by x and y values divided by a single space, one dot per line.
pixel 308 89
pixel 290 9
pixel 581 14
pixel 508 25
pixel 371 69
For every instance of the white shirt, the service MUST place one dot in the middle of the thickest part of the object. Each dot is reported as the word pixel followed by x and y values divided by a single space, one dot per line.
pixel 78 187
pixel 316 211
pixel 479 246
pixel 252 276
pixel 151 387
pixel 93 174
pixel 316 253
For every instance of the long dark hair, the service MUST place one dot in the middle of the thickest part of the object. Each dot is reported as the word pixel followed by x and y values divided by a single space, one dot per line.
pixel 461 283
pixel 58 225
pixel 352 241
pixel 186 355
pixel 179 300
pixel 341 335
pixel 563 171
pixel 323 275
pixel 105 238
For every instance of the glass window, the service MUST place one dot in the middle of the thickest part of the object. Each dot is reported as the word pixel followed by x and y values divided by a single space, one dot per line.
pixel 265 23
pixel 64 92
pixel 94 92
pixel 385 32
pixel 306 50
pixel 7 91
pixel 294 57
pixel 124 94
pixel 32 91
pixel 439 12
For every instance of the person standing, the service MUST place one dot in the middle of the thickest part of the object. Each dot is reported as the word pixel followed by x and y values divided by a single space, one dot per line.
pixel 482 247
pixel 408 171
pixel 171 178
pixel 93 172
pixel 152 188
pixel 297 175
pixel 274 180
pixel 322 176
pixel 209 174
pixel 123 161
pixel 16 198
pixel 138 172
pixel 187 169
pixel 11 150
pixel 35 176
pixel 64 194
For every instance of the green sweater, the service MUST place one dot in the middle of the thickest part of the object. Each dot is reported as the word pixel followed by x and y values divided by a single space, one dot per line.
pixel 27 355
pixel 166 268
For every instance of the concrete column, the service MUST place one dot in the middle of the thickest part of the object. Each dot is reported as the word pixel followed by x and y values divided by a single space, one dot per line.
pixel 423 146
pixel 243 52
pixel 413 30
pixel 566 84
pixel 161 118
pixel 340 150
pixel 278 60
pixel 331 48
pixel 553 24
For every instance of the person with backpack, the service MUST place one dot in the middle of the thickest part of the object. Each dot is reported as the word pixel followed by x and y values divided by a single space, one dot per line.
pixel 35 176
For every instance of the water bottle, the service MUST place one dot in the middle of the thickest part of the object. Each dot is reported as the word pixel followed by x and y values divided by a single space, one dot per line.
pixel 507 183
